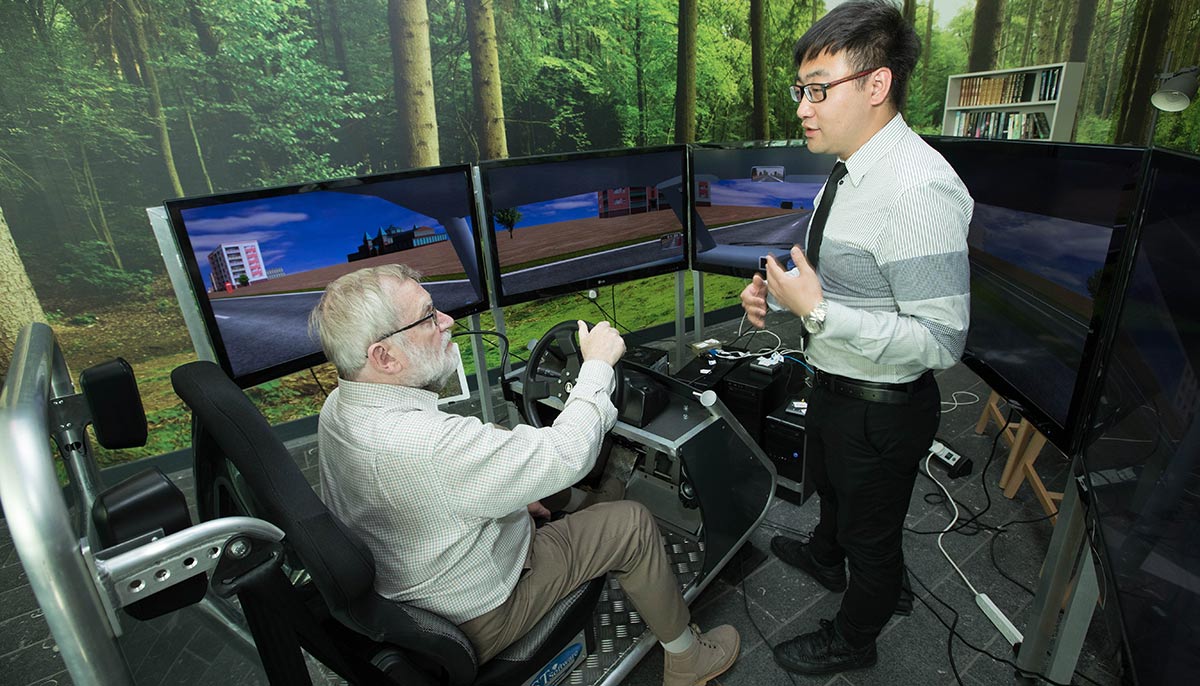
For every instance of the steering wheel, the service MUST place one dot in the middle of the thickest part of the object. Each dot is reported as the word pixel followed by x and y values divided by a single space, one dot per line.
pixel 553 369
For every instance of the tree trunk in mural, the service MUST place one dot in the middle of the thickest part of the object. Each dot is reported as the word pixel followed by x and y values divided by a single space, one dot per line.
pixel 926 52
pixel 141 47
pixel 909 11
pixel 685 74
pixel 1111 84
pixel 639 68
pixel 985 35
pixel 18 301
pixel 412 79
pixel 1143 61
pixel 485 77
pixel 1030 20
pixel 339 41
pixel 1081 33
pixel 760 120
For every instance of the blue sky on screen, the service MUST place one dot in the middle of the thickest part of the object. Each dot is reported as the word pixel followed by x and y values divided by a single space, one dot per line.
pixel 1063 251
pixel 297 232
pixel 747 193
pixel 580 206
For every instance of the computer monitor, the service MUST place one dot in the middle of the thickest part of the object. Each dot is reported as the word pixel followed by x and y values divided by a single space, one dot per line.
pixel 258 260
pixel 752 200
pixel 1143 462
pixel 1050 221
pixel 564 223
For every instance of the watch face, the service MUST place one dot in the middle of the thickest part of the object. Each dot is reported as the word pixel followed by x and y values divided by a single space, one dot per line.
pixel 813 325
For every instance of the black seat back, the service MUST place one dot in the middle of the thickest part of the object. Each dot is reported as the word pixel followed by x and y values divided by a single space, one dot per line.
pixel 228 426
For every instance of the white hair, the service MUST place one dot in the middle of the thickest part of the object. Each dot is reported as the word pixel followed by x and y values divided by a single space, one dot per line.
pixel 355 310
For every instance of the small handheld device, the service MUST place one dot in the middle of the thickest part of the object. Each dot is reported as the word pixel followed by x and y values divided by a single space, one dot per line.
pixel 772 303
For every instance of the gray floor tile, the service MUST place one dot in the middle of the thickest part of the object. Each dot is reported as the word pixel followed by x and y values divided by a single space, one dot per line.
pixel 17 601
pixel 23 631
pixel 31 663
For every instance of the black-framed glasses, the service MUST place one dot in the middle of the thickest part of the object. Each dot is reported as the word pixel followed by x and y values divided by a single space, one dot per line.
pixel 816 91
pixel 433 313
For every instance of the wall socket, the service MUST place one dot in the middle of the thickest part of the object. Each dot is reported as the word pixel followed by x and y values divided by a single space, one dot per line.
pixel 955 465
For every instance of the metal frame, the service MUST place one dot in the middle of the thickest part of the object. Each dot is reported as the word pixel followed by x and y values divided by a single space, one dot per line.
pixel 80 592
pixel 1052 643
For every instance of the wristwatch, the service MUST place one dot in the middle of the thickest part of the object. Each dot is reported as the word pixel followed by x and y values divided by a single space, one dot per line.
pixel 814 322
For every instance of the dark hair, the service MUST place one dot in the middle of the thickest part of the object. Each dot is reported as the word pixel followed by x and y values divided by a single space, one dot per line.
pixel 873 34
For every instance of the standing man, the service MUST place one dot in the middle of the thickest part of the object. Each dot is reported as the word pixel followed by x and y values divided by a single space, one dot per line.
pixel 883 291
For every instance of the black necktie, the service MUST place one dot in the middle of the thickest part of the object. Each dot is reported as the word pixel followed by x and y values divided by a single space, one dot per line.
pixel 817 229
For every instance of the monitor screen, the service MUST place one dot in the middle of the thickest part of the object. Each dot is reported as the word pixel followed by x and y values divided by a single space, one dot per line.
pixel 1049 223
pixel 569 222
pixel 751 202
pixel 259 260
pixel 1144 462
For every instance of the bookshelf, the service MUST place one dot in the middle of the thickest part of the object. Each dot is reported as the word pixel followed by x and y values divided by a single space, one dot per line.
pixel 1030 103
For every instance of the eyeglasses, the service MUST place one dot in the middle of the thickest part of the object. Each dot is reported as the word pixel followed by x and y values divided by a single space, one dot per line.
pixel 433 313
pixel 816 91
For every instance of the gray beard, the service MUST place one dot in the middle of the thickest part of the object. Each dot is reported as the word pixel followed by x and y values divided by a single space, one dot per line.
pixel 432 371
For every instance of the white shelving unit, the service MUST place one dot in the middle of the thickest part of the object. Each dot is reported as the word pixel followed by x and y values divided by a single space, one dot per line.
pixel 1030 103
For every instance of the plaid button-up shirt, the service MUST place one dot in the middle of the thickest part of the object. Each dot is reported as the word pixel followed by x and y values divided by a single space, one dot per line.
pixel 440 498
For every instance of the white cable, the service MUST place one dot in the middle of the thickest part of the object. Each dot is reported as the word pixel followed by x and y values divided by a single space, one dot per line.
pixel 955 403
pixel 948 526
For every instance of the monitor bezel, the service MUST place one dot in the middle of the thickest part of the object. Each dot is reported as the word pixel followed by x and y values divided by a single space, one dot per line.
pixel 502 299
pixel 175 207
pixel 1068 436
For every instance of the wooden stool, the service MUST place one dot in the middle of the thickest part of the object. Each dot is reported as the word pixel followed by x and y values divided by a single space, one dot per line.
pixel 1025 444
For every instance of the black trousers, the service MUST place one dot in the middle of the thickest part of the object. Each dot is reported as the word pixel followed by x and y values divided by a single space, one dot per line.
pixel 863 459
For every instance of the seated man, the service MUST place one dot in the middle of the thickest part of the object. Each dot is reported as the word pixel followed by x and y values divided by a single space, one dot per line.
pixel 444 502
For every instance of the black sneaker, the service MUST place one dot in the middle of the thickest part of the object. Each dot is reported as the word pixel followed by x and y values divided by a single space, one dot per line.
pixel 823 651
pixel 799 555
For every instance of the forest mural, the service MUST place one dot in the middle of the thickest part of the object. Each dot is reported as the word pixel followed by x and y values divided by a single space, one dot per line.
pixel 110 106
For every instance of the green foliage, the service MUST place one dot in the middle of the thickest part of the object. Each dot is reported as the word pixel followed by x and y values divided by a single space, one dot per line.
pixel 82 319
pixel 86 269
pixel 507 217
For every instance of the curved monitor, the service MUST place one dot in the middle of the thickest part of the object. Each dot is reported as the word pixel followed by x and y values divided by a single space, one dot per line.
pixel 564 223
pixel 1144 462
pixel 750 201
pixel 1050 221
pixel 259 260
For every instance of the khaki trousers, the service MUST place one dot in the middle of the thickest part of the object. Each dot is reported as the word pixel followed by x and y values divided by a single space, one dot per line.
pixel 619 537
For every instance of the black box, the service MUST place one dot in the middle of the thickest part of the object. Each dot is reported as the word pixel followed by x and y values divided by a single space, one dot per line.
pixel 705 372
pixel 783 442
pixel 751 395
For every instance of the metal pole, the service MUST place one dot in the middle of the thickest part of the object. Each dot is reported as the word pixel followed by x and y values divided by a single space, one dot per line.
pixel 481 373
pixel 698 305
pixel 680 322
pixel 39 522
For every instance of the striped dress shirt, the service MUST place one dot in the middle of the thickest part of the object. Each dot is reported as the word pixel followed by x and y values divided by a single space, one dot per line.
pixel 894 263
pixel 440 498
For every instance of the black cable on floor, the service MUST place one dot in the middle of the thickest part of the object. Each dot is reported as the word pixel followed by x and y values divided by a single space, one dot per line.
pixel 746 604
pixel 955 634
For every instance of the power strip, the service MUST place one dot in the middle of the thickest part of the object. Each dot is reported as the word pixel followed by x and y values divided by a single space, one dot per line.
pixel 1002 623
pixel 955 465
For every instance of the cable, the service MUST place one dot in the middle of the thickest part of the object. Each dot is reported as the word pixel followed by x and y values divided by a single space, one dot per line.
pixel 948 527
pixel 746 604
pixel 497 334
pixel 613 316
pixel 954 402
pixel 800 362
pixel 320 385
pixel 954 634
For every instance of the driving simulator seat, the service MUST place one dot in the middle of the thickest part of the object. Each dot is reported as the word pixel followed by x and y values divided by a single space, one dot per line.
pixel 338 617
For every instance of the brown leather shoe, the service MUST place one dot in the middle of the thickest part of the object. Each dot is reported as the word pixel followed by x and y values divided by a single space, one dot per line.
pixel 712 653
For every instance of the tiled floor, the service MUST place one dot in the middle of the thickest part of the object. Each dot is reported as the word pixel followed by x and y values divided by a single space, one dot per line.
pixel 771 603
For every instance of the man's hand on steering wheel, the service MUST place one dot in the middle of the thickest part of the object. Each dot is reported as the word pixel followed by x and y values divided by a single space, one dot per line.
pixel 601 343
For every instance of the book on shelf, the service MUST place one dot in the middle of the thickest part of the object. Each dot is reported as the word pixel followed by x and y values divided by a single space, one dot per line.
pixel 1002 125
pixel 1010 88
